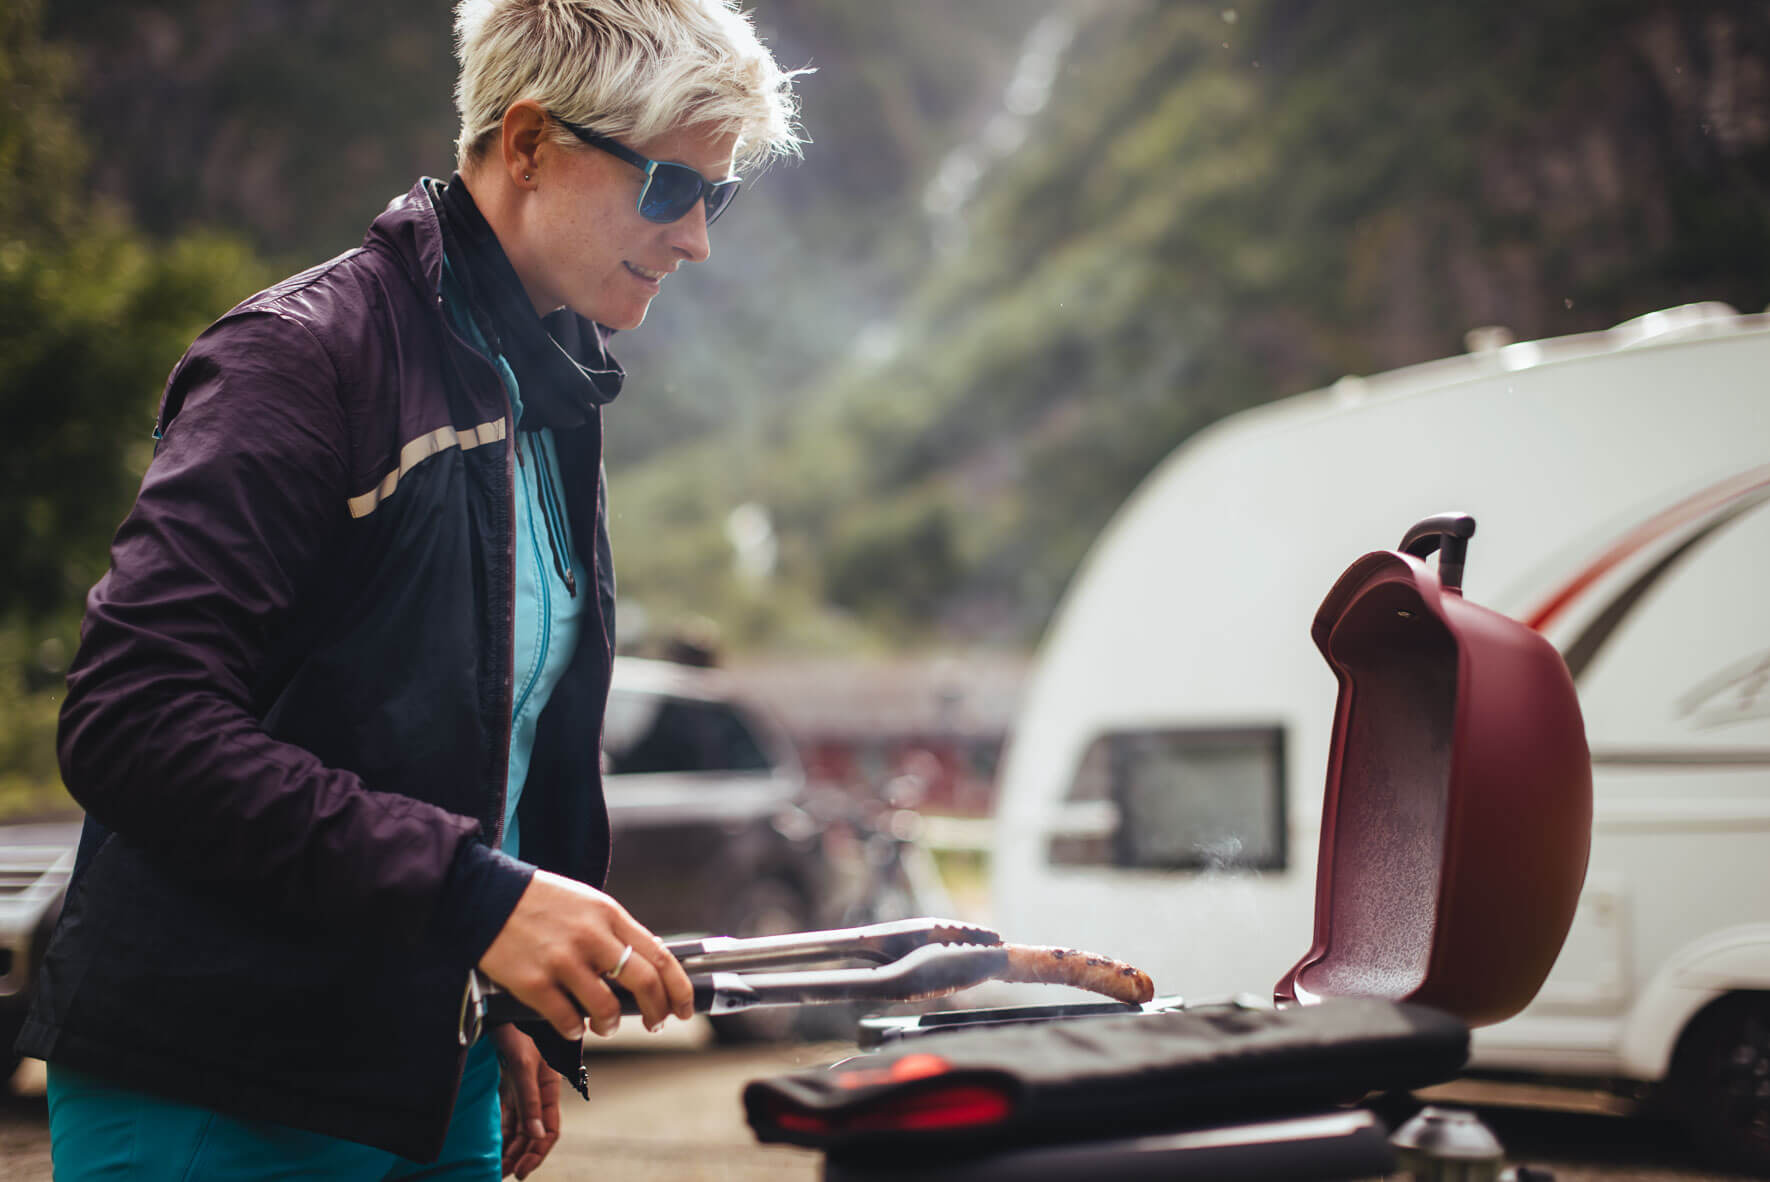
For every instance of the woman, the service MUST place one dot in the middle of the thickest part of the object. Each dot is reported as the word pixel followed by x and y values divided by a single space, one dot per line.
pixel 335 713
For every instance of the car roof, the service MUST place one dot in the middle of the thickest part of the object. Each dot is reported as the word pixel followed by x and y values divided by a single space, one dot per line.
pixel 647 676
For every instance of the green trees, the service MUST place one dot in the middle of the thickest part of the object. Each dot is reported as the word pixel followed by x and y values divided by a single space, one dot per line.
pixel 92 317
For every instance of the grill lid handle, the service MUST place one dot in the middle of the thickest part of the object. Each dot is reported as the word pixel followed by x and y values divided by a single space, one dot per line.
pixel 1449 534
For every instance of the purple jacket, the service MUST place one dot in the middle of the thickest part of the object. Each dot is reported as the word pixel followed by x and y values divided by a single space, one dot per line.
pixel 288 719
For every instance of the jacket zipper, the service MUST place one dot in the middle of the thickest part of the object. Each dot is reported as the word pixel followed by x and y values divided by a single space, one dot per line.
pixel 501 787
pixel 541 577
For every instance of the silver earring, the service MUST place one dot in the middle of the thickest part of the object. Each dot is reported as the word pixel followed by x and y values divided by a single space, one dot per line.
pixel 527 177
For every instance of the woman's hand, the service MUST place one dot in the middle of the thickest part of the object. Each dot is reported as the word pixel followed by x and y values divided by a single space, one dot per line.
pixel 558 943
pixel 528 1094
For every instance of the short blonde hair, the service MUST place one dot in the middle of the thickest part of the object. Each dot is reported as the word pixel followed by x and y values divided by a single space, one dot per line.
pixel 632 69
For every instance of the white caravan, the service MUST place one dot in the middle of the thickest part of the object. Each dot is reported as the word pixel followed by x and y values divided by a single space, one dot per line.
pixel 1161 794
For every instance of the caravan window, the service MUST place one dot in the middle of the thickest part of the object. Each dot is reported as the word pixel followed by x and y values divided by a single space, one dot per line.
pixel 1177 800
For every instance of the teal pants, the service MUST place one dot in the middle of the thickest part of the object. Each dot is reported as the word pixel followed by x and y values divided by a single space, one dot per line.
pixel 100 1131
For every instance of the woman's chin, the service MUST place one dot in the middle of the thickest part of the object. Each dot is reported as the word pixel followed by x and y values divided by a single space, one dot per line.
pixel 620 318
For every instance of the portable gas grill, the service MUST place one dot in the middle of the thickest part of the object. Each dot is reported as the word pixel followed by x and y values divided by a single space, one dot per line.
pixel 1456 824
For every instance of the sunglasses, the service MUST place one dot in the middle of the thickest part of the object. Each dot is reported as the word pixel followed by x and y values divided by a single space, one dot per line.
pixel 670 189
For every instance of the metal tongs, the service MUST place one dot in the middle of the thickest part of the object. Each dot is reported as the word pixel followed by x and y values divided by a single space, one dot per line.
pixel 910 959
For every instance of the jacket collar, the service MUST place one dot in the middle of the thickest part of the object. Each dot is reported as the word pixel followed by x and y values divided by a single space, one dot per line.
pixel 409 230
pixel 562 359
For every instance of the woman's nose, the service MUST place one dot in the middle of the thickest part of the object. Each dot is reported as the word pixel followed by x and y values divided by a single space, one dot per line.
pixel 688 234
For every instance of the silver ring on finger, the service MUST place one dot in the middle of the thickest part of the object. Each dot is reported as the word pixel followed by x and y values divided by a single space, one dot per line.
pixel 626 955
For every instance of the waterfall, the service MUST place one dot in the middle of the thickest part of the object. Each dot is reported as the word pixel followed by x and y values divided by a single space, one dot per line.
pixel 1025 95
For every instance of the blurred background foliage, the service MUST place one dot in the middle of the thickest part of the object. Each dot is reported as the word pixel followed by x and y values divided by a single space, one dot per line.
pixel 1033 246
pixel 93 313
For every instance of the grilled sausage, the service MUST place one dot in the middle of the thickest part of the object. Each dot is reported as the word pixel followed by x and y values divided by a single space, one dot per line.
pixel 1045 965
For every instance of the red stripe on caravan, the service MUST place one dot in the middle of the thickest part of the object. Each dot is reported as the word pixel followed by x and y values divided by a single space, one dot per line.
pixel 1644 535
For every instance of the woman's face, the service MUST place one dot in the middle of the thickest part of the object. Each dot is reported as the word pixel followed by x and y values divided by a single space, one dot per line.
pixel 581 242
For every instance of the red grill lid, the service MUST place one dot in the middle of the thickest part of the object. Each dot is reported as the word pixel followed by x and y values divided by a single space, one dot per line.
pixel 1458 811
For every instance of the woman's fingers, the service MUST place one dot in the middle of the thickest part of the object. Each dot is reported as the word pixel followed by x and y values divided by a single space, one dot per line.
pixel 540 1117
pixel 514 1140
pixel 665 984
pixel 528 1098
pixel 560 1009
pixel 528 1091
pixel 592 995
pixel 640 978
pixel 558 944
pixel 677 986
pixel 540 1146
pixel 677 993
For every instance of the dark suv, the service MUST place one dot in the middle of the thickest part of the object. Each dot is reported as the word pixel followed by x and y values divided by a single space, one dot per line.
pixel 704 796
pixel 713 830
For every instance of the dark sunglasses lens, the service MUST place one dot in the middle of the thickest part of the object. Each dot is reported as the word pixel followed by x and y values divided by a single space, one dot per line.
pixel 719 197
pixel 672 193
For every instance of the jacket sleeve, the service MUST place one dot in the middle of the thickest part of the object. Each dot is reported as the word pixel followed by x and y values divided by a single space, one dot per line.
pixel 158 737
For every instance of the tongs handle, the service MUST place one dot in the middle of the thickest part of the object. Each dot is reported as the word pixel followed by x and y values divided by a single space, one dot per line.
pixel 499 1006
pixel 486 1002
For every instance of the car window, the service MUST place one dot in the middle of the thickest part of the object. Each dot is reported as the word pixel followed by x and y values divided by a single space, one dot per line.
pixel 648 733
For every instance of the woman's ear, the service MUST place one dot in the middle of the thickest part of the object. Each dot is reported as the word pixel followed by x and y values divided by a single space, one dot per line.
pixel 524 133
